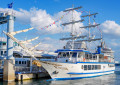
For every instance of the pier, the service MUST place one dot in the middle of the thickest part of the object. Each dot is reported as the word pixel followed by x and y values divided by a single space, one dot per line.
pixel 9 71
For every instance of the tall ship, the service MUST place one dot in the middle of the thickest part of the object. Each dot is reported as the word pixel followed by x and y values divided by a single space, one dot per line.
pixel 76 60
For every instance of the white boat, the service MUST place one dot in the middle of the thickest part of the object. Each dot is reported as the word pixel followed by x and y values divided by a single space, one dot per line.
pixel 76 61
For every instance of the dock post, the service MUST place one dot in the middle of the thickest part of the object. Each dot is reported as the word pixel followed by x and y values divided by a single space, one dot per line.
pixel 31 64
pixel 9 63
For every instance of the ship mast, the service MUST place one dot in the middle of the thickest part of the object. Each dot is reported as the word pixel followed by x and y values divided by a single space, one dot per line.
pixel 72 32
pixel 73 37
pixel 89 27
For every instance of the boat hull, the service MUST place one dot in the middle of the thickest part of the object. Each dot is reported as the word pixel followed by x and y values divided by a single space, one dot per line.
pixel 67 71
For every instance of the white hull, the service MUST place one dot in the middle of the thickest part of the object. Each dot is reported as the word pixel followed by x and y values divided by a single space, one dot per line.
pixel 60 71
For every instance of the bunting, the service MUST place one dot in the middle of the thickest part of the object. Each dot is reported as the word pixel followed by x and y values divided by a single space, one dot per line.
pixel 98 27
pixel 56 20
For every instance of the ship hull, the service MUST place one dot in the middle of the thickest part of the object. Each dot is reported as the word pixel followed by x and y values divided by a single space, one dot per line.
pixel 68 71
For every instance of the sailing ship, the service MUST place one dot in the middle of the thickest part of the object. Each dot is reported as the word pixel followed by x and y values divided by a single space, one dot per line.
pixel 76 60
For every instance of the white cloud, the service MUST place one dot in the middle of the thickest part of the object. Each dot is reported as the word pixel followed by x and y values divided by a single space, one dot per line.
pixel 39 18
pixel 111 28
pixel 49 44
pixel 114 44
pixel 3 39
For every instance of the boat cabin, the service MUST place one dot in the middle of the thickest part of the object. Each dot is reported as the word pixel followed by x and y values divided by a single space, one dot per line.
pixel 81 55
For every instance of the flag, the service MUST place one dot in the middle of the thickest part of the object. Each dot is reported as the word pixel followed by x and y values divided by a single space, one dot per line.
pixel 10 5
pixel 81 11
pixel 53 22
pixel 94 16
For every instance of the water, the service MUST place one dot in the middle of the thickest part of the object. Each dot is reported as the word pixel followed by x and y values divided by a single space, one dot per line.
pixel 112 79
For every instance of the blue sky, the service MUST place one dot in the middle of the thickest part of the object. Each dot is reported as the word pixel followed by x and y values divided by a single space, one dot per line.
pixel 108 17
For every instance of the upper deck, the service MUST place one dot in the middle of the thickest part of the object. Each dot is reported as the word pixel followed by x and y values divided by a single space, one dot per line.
pixel 71 50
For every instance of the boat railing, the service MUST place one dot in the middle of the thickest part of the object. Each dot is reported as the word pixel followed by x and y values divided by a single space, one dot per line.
pixel 88 60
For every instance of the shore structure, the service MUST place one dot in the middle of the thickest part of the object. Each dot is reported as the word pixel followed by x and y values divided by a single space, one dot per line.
pixel 9 71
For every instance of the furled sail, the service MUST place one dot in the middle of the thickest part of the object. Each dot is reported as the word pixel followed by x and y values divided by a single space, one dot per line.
pixel 90 26
pixel 14 33
pixel 72 38
pixel 34 47
pixel 89 40
pixel 73 22
pixel 26 49
pixel 72 9
pixel 89 15
pixel 29 40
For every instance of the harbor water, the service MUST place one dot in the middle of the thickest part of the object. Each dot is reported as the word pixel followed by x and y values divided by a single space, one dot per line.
pixel 112 79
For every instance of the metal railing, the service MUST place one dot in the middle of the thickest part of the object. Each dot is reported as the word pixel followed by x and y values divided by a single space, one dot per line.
pixel 27 69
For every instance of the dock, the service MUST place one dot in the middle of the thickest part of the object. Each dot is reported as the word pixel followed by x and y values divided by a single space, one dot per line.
pixel 26 75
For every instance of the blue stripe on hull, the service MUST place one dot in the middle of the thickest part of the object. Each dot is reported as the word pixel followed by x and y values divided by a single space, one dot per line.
pixel 74 78
pixel 96 62
pixel 90 72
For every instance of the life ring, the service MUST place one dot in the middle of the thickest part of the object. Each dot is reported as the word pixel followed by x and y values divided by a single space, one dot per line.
pixel 105 57
pixel 109 60
pixel 83 59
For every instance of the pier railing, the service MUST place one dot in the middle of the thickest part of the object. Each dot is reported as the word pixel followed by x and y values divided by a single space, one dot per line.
pixel 27 69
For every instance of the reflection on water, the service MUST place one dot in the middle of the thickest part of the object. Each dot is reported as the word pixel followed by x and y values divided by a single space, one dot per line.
pixel 113 79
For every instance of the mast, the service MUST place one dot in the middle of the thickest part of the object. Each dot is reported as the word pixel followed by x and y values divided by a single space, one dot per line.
pixel 101 40
pixel 72 34
pixel 89 27
pixel 73 37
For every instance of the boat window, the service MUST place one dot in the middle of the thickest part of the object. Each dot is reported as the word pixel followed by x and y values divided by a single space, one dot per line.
pixel 79 54
pixel 64 54
pixel 19 62
pixel 89 67
pixel 16 62
pixel 74 54
pixel 1 52
pixel 86 56
pixel 25 62
pixel 2 62
pixel 67 54
pixel 4 51
pixel 4 43
pixel 111 65
pixel 90 56
pixel 93 67
pixel 59 54
pixel 99 66
pixel 85 67
pixel 94 57
pixel 22 62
